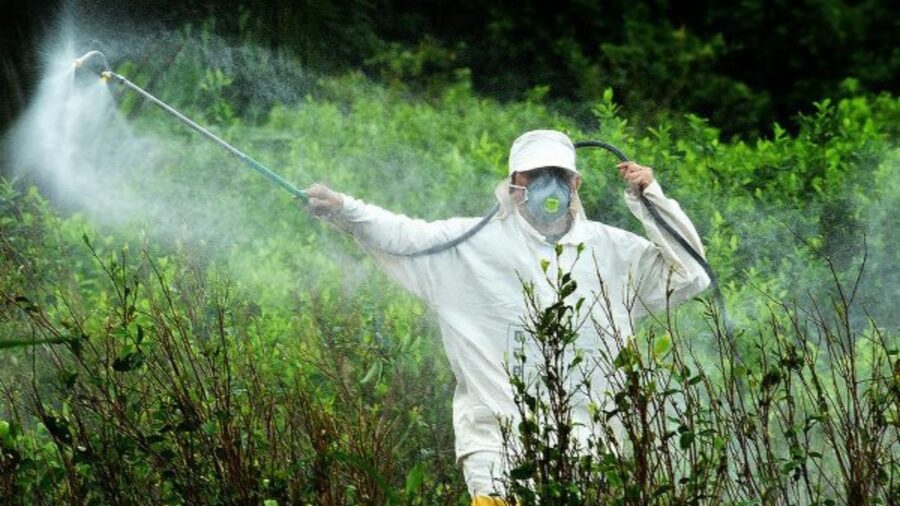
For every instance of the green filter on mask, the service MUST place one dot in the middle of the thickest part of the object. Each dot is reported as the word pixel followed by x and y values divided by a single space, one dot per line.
pixel 551 205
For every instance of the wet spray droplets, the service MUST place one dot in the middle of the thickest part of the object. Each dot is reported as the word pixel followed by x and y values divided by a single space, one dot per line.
pixel 74 141
pixel 133 171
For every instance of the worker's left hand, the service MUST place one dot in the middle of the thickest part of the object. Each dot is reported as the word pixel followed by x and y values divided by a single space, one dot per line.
pixel 638 176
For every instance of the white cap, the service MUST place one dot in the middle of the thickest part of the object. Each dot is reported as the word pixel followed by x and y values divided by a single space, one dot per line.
pixel 542 148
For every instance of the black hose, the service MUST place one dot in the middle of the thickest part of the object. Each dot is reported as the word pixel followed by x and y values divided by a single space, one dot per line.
pixel 662 223
pixel 654 213
pixel 454 242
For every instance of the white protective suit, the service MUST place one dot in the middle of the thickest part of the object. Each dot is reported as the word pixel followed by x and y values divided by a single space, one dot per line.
pixel 476 292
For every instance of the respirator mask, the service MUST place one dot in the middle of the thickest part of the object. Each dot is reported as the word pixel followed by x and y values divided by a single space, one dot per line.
pixel 547 196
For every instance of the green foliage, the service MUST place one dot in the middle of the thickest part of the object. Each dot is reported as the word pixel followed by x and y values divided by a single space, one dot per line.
pixel 807 419
pixel 207 397
pixel 261 357
pixel 545 466
pixel 743 65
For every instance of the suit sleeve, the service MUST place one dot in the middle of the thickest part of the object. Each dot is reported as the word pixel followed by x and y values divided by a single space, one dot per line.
pixel 666 273
pixel 391 237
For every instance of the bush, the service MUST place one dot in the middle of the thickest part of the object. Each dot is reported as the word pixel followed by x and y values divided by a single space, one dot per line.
pixel 812 418
pixel 171 387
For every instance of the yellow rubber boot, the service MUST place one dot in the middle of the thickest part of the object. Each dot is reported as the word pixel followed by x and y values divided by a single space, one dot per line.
pixel 486 500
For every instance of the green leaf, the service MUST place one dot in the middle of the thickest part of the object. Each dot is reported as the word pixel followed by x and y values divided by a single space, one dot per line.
pixel 129 361
pixel 567 289
pixel 58 427
pixel 579 358
pixel 414 479
pixel 545 264
pixel 528 427
pixel 374 372
pixel 662 345
pixel 523 471
pixel 608 95
pixel 686 440
pixel 624 359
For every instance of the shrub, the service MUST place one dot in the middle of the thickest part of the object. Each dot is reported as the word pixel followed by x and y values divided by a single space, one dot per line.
pixel 173 386
pixel 812 418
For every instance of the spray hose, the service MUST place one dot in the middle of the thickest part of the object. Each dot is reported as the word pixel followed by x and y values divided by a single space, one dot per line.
pixel 654 213
pixel 665 225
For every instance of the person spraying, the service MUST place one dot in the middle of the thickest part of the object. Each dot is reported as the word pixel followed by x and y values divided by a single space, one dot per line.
pixel 475 288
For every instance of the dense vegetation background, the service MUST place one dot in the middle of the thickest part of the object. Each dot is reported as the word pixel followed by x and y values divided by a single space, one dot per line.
pixel 221 346
pixel 743 65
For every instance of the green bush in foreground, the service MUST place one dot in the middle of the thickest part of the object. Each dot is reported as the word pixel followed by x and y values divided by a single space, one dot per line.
pixel 169 389
pixel 813 418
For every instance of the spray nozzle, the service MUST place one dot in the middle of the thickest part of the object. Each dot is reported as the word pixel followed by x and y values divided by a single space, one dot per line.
pixel 94 61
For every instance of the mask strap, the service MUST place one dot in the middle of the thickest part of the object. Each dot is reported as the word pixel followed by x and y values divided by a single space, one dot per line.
pixel 519 187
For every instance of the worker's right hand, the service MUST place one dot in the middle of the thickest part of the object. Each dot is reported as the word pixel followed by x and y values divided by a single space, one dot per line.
pixel 322 200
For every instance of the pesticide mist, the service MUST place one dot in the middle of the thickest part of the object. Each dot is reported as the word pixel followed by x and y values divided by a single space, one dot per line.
pixel 98 150
pixel 76 141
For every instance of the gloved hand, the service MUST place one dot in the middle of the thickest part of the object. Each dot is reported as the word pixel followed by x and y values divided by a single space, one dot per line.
pixel 638 176
pixel 323 200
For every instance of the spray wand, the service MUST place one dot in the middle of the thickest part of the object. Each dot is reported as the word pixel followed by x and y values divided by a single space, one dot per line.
pixel 96 61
